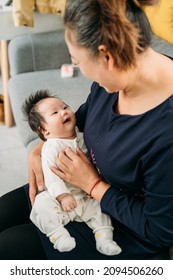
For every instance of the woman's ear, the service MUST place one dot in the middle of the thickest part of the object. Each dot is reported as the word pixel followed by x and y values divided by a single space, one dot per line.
pixel 107 56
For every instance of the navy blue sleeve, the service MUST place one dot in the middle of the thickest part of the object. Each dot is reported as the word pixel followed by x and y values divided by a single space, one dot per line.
pixel 150 216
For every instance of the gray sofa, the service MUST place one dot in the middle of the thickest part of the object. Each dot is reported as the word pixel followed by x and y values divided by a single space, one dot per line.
pixel 35 62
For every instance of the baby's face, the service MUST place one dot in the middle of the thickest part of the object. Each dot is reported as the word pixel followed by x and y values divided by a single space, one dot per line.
pixel 59 118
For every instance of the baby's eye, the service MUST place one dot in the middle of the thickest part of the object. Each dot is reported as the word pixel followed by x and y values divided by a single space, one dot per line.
pixel 55 112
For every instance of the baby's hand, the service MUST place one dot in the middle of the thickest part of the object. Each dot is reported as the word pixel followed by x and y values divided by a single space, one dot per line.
pixel 67 201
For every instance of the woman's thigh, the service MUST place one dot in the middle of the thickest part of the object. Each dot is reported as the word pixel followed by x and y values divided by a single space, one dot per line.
pixel 14 209
pixel 19 238
pixel 21 242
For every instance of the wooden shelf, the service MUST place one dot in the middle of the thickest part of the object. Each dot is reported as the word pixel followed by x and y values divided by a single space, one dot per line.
pixel 9 120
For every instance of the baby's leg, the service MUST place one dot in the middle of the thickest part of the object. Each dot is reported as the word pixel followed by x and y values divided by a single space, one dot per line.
pixel 48 216
pixel 102 228
pixel 104 241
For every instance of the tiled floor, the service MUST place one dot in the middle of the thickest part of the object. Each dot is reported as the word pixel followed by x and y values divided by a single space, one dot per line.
pixel 13 158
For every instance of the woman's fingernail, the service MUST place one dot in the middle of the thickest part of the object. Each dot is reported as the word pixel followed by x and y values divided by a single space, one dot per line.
pixel 40 188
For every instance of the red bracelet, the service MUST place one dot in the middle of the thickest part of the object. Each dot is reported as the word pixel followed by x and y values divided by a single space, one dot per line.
pixel 95 184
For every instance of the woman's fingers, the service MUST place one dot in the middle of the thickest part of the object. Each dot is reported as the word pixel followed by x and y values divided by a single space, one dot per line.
pixel 32 194
pixel 70 154
pixel 75 169
pixel 58 172
pixel 35 176
pixel 36 185
pixel 66 160
pixel 32 185
pixel 39 179
pixel 82 155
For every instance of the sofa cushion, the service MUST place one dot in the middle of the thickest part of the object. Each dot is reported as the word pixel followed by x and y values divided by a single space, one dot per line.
pixel 161 19
pixel 26 55
pixel 72 90
pixel 162 46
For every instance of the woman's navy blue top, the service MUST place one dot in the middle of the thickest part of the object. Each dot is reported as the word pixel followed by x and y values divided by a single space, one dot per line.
pixel 134 154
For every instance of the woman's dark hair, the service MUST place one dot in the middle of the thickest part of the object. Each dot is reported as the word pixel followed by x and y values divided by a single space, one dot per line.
pixel 30 110
pixel 119 25
pixel 136 15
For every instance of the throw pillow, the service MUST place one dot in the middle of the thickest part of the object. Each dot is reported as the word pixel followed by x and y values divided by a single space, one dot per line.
pixel 161 19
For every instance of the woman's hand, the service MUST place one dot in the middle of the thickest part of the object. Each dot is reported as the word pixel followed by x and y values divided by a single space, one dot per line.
pixel 76 169
pixel 35 174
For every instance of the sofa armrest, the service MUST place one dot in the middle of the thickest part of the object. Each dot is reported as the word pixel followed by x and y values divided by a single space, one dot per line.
pixel 162 46
pixel 37 52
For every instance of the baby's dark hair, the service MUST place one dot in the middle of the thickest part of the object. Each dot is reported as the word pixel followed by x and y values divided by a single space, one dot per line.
pixel 30 110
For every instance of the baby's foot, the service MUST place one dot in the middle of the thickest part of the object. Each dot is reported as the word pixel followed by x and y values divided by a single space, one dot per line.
pixel 108 247
pixel 65 244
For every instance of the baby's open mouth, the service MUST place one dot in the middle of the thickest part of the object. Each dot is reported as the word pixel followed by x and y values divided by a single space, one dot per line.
pixel 66 120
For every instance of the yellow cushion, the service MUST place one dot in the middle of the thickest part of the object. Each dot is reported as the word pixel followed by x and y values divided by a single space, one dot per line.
pixel 161 19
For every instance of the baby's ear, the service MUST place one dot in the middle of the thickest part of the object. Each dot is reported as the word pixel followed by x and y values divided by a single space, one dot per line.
pixel 44 131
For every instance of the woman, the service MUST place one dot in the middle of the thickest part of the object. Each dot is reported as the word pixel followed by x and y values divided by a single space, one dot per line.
pixel 128 131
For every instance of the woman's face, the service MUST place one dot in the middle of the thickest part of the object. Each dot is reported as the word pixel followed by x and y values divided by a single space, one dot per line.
pixel 99 69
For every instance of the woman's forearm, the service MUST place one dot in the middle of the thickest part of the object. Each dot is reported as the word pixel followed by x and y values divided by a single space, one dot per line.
pixel 35 174
pixel 99 190
pixel 37 149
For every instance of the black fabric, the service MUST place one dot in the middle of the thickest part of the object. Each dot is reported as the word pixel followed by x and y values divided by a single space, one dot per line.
pixel 19 238
pixel 14 209
pixel 86 248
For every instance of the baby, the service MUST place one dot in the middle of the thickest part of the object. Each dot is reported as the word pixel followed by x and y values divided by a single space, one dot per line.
pixel 60 203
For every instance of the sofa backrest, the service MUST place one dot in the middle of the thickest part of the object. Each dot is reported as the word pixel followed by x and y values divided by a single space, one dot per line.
pixel 25 54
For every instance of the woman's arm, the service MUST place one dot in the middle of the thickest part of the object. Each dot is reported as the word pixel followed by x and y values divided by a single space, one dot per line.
pixel 149 216
pixel 35 174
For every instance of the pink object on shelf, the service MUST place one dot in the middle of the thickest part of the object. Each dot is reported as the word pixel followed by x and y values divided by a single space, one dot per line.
pixel 67 71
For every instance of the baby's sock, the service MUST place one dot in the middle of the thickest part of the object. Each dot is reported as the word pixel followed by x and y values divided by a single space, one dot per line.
pixel 65 243
pixel 105 243
pixel 62 240
pixel 108 247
